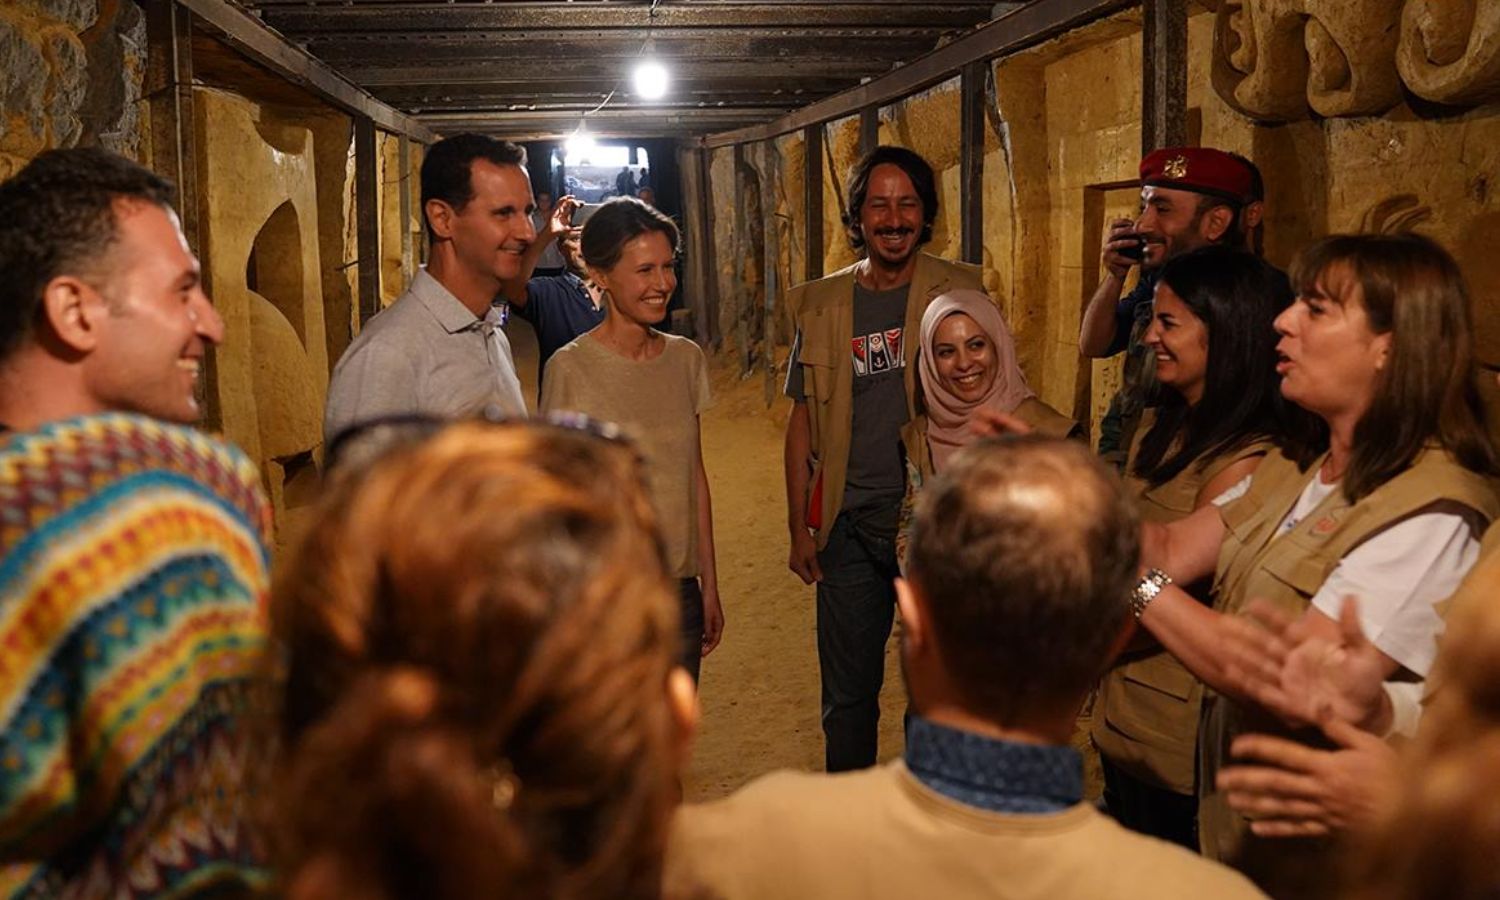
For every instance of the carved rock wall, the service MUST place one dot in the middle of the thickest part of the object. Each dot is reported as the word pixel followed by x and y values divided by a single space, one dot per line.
pixel 1280 60
pixel 70 73
pixel 1064 142
pixel 258 176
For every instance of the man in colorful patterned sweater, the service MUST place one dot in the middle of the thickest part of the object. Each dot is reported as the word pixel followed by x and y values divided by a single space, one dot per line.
pixel 132 552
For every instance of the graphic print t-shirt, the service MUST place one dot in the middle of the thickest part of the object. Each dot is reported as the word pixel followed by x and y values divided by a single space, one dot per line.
pixel 878 354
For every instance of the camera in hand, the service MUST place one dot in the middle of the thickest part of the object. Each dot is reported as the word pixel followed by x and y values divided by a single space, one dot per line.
pixel 1135 251
pixel 583 212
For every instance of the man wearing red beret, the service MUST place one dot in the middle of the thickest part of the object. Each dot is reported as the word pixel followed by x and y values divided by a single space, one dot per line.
pixel 1190 197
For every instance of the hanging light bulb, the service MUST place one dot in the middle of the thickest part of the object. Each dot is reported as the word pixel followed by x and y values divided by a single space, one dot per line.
pixel 651 79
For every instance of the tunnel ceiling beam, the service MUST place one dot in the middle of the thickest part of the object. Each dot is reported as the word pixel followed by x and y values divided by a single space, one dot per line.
pixel 251 37
pixel 495 59
pixel 1025 27
pixel 697 50
pixel 544 19
pixel 520 71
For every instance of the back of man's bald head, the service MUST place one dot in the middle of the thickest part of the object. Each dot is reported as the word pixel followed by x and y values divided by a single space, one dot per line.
pixel 1024 551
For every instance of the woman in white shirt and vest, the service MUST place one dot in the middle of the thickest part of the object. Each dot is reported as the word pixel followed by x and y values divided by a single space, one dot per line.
pixel 1386 501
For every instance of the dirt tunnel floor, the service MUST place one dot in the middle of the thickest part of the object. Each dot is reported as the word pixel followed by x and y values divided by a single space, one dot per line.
pixel 759 689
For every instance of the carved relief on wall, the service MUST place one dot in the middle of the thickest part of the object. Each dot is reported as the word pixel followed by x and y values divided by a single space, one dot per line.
pixel 1450 50
pixel 257 175
pixel 1279 60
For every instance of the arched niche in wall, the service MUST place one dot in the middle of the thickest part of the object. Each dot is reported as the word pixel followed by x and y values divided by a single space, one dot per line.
pixel 284 376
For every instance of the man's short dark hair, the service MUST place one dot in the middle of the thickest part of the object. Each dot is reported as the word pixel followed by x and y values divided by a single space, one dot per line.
pixel 922 180
pixel 1024 551
pixel 445 169
pixel 57 217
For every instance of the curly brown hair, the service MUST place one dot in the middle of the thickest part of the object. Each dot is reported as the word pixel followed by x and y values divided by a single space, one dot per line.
pixel 479 632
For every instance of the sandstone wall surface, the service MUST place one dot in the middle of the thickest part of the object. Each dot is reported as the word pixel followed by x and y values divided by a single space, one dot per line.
pixel 70 73
pixel 1340 151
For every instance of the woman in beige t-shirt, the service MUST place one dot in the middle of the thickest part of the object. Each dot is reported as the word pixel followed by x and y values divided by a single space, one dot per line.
pixel 655 386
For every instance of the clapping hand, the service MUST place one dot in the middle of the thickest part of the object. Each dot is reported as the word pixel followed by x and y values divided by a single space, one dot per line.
pixel 1287 667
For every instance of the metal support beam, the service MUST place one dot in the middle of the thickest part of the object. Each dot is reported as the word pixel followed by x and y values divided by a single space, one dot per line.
pixel 544 21
pixel 972 99
pixel 1026 27
pixel 174 149
pixel 700 275
pixel 169 87
pixel 812 201
pixel 251 37
pixel 709 333
pixel 744 299
pixel 869 129
pixel 408 259
pixel 771 245
pixel 1164 75
pixel 367 218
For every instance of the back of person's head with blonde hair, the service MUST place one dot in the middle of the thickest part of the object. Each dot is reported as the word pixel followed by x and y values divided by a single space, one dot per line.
pixel 480 638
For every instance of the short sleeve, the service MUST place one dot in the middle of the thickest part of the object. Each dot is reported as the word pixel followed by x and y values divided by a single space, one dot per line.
pixel 558 383
pixel 698 373
pixel 794 388
pixel 375 380
pixel 1399 576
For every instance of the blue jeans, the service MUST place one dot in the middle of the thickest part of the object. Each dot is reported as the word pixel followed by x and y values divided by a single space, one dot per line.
pixel 856 607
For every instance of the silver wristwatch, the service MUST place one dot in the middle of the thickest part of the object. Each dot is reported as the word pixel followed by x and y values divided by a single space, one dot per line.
pixel 1150 585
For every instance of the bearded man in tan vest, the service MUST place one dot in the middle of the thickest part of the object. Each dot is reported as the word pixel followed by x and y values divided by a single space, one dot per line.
pixel 1020 563
pixel 852 382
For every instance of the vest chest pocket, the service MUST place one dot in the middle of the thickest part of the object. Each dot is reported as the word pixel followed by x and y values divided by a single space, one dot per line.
pixel 819 360
pixel 1289 575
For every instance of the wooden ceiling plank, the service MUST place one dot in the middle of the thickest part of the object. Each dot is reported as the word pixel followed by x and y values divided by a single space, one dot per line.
pixel 250 36
pixel 1025 27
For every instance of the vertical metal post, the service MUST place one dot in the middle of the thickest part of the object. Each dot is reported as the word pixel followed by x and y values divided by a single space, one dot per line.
pixel 698 254
pixel 367 217
pixel 1164 75
pixel 869 129
pixel 971 161
pixel 708 331
pixel 169 87
pixel 743 297
pixel 174 150
pixel 772 246
pixel 404 185
pixel 812 201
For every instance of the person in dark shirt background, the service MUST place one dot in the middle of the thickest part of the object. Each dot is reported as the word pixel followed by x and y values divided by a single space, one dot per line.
pixel 560 307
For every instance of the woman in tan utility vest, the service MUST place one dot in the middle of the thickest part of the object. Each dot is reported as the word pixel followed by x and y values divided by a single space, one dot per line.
pixel 1386 501
pixel 1215 414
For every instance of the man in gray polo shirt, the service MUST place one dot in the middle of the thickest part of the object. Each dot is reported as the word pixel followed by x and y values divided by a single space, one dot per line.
pixel 439 348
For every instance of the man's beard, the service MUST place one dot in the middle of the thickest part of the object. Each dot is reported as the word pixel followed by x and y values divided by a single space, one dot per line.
pixel 878 258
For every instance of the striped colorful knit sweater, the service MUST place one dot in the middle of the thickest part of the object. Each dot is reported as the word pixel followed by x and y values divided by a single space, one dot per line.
pixel 132 626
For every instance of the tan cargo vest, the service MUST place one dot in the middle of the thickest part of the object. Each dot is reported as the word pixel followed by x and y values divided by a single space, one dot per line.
pixel 1146 718
pixel 1289 570
pixel 823 311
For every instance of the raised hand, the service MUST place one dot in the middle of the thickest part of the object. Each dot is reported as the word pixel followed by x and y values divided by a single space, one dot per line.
pixel 1296 673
